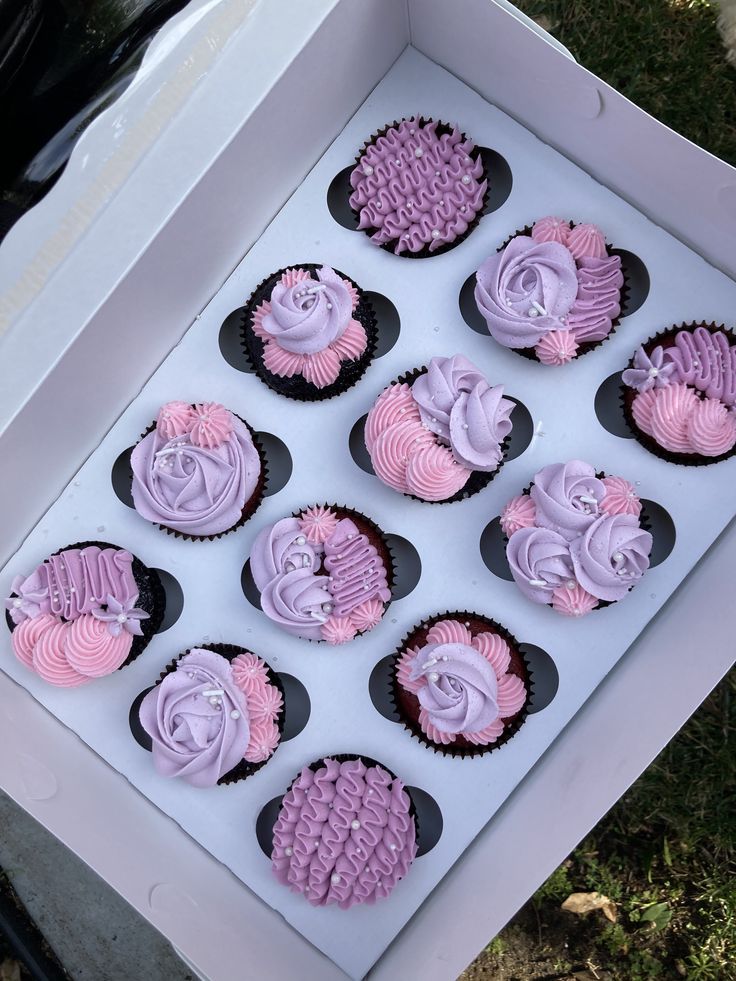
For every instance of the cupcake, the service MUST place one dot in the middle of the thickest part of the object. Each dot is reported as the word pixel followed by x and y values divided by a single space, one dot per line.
pixel 324 574
pixel 309 332
pixel 83 613
pixel 215 716
pixel 419 187
pixel 680 392
pixel 439 433
pixel 197 472
pixel 346 833
pixel 575 540
pixel 552 292
pixel 460 684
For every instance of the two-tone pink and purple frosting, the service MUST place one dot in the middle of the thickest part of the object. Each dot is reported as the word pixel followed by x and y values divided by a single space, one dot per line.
pixel 556 290
pixel 686 392
pixel 417 189
pixel 345 834
pixel 575 539
pixel 463 684
pixel 307 326
pixel 319 576
pixel 209 714
pixel 197 469
pixel 75 616
pixel 427 438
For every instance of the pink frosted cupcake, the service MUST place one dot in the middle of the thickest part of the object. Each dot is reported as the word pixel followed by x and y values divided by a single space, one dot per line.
pixel 84 613
pixel 439 433
pixel 309 332
pixel 575 539
pixel 324 574
pixel 553 292
pixel 215 716
pixel 679 394
pixel 460 684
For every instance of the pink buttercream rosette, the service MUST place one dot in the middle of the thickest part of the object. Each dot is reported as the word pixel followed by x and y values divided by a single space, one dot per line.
pixel 428 689
pixel 679 394
pixel 309 332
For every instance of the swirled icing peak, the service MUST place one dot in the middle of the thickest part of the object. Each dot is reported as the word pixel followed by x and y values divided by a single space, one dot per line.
pixel 320 579
pixel 198 720
pixel 567 497
pixel 198 481
pixel 586 242
pixel 345 834
pixel 458 405
pixel 416 188
pixel 551 230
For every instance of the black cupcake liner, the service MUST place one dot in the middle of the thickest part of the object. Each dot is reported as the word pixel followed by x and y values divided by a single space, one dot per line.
pixel 644 523
pixel 475 155
pixel 250 506
pixel 627 395
pixel 586 346
pixel 386 553
pixel 243 769
pixel 151 598
pixel 477 480
pixel 297 387
pixel 397 692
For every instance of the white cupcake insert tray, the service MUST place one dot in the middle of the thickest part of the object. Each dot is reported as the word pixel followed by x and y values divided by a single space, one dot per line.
pixel 343 718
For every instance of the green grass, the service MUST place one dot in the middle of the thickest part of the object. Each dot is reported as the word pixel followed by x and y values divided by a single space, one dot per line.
pixel 664 55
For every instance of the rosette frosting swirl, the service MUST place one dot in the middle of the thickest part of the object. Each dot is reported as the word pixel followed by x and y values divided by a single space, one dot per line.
pixel 567 497
pixel 526 290
pixel 197 482
pixel 611 556
pixel 345 834
pixel 458 405
pixel 197 719
pixel 309 315
pixel 540 561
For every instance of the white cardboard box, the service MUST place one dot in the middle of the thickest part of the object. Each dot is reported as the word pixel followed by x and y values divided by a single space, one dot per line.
pixel 208 232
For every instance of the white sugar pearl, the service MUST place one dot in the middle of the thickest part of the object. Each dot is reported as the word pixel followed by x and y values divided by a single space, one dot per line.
pixel 466 179
pixel 445 657
pixel 235 714
pixel 367 170
pixel 301 540
pixel 121 618
pixel 570 584
pixel 289 851
pixel 355 825
pixel 435 233
pixel 532 312
pixel 617 556
pixel 653 372
pixel 419 152
pixel 17 603
pixel 329 306
pixel 392 846
pixel 434 676
pixel 335 878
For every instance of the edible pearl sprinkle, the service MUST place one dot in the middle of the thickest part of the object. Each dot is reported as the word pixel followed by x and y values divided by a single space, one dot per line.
pixel 288 851
pixel 335 878
pixel 301 540
pixel 355 825
pixel 235 714
pixel 368 170
pixel 434 677
pixel 570 584
pixel 419 152
pixel 466 179
pixel 617 556
pixel 121 617
pixel 435 233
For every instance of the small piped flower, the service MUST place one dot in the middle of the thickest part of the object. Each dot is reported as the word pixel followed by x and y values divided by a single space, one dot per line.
pixel 367 615
pixel 263 741
pixel 249 673
pixel 572 600
pixel 338 630
pixel 318 523
pixel 587 242
pixel 551 230
pixel 211 426
pixel 120 616
pixel 650 371
pixel 620 497
pixel 557 347
pixel 520 512
pixel 174 419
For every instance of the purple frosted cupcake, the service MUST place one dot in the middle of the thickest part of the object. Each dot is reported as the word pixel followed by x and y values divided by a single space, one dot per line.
pixel 553 292
pixel 198 473
pixel 419 187
pixel 346 833
pixel 575 539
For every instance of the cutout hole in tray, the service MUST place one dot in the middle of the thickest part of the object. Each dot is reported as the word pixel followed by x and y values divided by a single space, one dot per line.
pixel 608 407
pixel 338 199
pixel 379 689
pixel 231 343
pixel 469 308
pixel 407 566
pixel 500 178
pixel 280 464
pixel 174 599
pixel 523 426
pixel 297 707
pixel 493 550
pixel 545 677
pixel 358 449
pixel 387 320
pixel 663 531
pixel 637 279
pixel 121 477
pixel 250 590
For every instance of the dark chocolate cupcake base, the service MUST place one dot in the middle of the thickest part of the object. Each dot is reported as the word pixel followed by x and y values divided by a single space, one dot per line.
pixel 297 387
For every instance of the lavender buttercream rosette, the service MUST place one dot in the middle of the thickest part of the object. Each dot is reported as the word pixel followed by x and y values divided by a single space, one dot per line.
pixel 552 293
pixel 575 540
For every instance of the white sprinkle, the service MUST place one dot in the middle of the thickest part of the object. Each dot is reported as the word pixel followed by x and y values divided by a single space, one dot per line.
pixel 213 692
pixel 435 233
pixel 434 677
pixel 570 584
pixel 466 179
pixel 368 170
pixel 301 540
pixel 335 878
pixel 355 825
pixel 537 582
pixel 235 714
pixel 419 152
pixel 539 308
pixel 588 500
pixel 617 556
